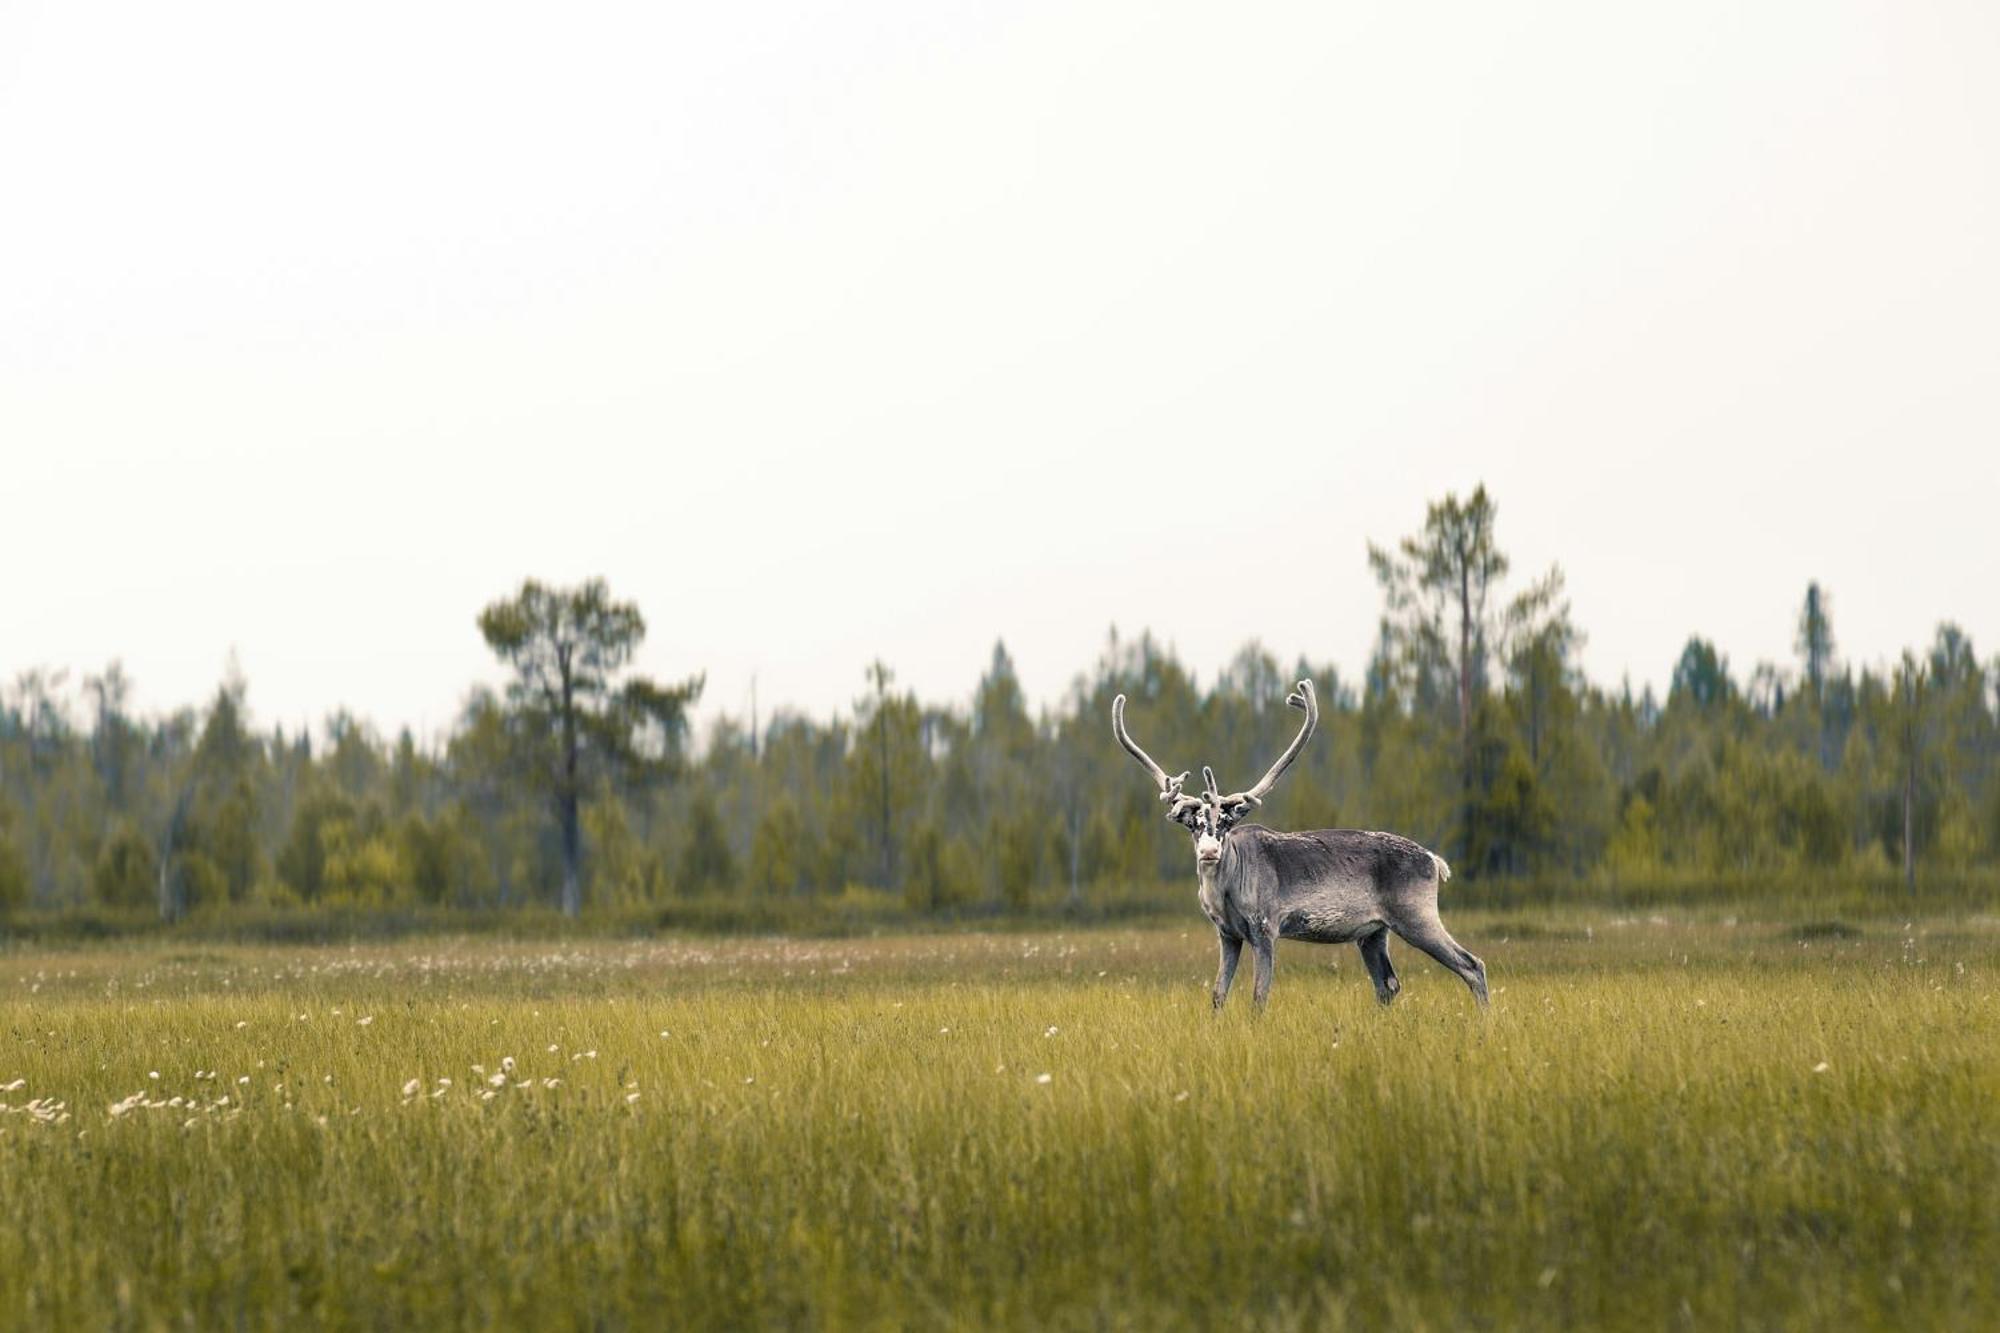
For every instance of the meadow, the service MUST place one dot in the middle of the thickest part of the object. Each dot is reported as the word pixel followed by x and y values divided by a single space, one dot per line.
pixel 1683 1120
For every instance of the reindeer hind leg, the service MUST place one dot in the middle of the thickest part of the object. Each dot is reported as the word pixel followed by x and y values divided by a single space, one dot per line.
pixel 1428 933
pixel 1374 948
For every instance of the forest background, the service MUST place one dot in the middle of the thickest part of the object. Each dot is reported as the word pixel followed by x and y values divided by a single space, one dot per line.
pixel 1817 784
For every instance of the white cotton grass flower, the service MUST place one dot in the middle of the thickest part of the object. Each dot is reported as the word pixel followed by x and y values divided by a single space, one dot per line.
pixel 411 1088
pixel 15 1086
pixel 584 1055
pixel 1053 1029
pixel 552 1048
pixel 243 1080
pixel 506 1064
pixel 1821 1067
pixel 1045 1078
pixel 497 1081
pixel 242 1023
pixel 153 1074
pixel 364 1022
pixel 631 1097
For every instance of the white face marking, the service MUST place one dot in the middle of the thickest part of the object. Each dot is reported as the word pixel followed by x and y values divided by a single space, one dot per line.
pixel 1207 847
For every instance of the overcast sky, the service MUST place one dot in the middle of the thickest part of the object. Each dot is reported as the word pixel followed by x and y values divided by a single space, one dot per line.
pixel 840 330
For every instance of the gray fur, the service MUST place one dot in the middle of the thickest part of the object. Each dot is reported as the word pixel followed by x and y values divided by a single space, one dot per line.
pixel 1329 886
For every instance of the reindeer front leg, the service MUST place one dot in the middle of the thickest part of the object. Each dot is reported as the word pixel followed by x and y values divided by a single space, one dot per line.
pixel 1232 953
pixel 1265 945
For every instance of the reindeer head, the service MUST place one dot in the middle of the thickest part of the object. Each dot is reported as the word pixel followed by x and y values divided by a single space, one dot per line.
pixel 1211 815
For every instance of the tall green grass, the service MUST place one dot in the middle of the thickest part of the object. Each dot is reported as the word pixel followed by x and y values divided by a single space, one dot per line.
pixel 1658 1124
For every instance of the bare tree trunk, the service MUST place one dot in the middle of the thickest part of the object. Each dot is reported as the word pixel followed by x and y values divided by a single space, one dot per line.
pixel 882 753
pixel 1464 654
pixel 572 834
pixel 572 851
pixel 1075 856
pixel 1467 784
pixel 170 905
pixel 1910 827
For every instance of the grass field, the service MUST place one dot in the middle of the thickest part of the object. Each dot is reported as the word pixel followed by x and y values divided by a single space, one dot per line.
pixel 1658 1124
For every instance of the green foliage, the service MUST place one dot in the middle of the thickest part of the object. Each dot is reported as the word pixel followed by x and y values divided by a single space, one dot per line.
pixel 779 851
pixel 14 888
pixel 568 649
pixel 1815 639
pixel 1635 848
pixel 1437 588
pixel 126 872
pixel 1014 845
pixel 1443 628
pixel 302 861
pixel 1517 821
pixel 885 772
pixel 706 862
pixel 623 868
pixel 364 865
pixel 941 872
pixel 203 884
pixel 1103 849
pixel 1701 676
pixel 440 855
pixel 1545 783
pixel 573 717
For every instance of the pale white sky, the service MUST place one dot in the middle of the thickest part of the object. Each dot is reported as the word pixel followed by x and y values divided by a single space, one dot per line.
pixel 829 331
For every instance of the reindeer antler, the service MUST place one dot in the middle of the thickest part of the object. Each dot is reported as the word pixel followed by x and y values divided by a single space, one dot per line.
pixel 1170 788
pixel 1301 698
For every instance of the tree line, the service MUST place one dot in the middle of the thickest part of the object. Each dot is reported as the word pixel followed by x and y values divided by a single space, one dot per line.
pixel 1470 728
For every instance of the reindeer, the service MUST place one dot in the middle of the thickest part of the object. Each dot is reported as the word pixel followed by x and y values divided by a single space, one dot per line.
pixel 1329 886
